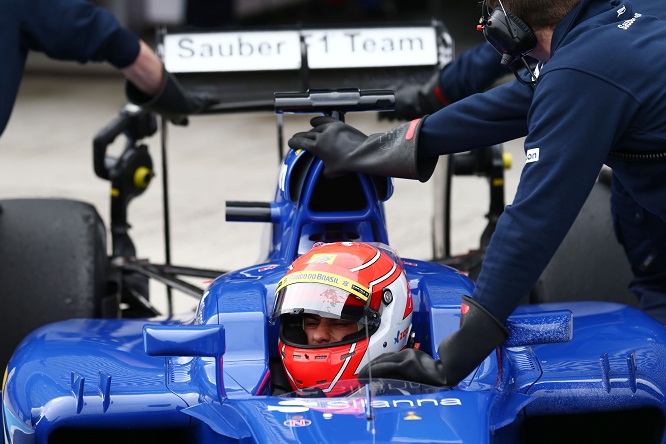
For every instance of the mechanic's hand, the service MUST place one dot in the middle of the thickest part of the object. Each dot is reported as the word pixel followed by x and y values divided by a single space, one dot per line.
pixel 459 353
pixel 409 104
pixel 329 139
pixel 413 100
pixel 172 101
pixel 345 149
pixel 407 365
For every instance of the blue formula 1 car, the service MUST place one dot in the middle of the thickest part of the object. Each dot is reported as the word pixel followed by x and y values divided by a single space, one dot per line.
pixel 569 372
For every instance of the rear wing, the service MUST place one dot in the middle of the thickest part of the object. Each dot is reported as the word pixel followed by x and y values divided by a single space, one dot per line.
pixel 244 68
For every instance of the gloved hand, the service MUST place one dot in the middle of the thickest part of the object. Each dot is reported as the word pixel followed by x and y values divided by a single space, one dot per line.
pixel 407 365
pixel 345 149
pixel 413 101
pixel 172 101
pixel 460 353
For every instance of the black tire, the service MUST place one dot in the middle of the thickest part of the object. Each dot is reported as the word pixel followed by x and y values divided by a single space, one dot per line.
pixel 590 264
pixel 53 266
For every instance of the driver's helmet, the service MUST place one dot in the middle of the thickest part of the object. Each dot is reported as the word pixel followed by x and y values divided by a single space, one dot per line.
pixel 359 288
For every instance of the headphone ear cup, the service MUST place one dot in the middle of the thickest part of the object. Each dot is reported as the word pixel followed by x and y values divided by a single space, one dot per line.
pixel 525 37
pixel 509 35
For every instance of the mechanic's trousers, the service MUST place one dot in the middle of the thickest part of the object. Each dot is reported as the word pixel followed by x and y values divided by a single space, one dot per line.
pixel 643 236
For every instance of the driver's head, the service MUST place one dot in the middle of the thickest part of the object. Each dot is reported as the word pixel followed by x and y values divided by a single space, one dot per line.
pixel 322 330
pixel 339 305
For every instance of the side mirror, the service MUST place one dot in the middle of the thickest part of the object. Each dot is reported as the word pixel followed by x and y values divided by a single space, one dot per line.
pixel 184 340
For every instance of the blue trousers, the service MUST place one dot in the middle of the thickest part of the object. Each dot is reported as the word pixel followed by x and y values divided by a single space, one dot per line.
pixel 643 236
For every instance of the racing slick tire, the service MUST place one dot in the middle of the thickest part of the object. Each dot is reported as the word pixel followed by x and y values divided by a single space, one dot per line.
pixel 53 266
pixel 590 264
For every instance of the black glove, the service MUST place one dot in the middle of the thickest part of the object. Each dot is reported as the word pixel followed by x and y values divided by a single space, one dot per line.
pixel 345 149
pixel 460 353
pixel 172 101
pixel 413 101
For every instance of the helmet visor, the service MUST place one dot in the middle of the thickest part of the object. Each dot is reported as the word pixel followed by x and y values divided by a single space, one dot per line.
pixel 320 299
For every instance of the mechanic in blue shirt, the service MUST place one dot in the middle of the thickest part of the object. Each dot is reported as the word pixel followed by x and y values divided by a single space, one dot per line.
pixel 596 97
pixel 77 30
pixel 641 233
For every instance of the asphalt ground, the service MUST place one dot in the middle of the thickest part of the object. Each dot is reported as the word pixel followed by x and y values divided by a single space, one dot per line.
pixel 46 151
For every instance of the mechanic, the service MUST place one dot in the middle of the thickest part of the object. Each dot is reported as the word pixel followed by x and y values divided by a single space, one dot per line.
pixel 343 303
pixel 641 233
pixel 587 103
pixel 77 30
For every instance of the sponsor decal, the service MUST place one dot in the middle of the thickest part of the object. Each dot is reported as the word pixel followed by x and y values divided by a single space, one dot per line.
pixel 532 155
pixel 297 421
pixel 401 335
pixel 627 23
pixel 621 11
pixel 268 267
pixel 362 290
pixel 347 356
pixel 322 277
pixel 322 258
pixel 412 416
pixel 357 405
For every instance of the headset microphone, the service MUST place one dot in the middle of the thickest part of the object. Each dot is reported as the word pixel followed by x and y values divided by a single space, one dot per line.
pixel 507 60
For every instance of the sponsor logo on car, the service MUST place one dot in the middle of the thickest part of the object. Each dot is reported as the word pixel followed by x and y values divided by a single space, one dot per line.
pixel 357 405
pixel 297 421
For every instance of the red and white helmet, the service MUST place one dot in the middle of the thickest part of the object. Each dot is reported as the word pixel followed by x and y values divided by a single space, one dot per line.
pixel 345 280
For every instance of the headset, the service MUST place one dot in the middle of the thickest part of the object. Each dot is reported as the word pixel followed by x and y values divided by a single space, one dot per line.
pixel 510 36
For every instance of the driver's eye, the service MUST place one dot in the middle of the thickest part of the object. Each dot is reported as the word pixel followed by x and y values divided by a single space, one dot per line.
pixel 343 323
pixel 311 323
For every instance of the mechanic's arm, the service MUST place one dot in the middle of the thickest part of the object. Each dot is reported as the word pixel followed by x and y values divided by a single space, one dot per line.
pixel 411 150
pixel 149 85
pixel 478 121
pixel 78 30
pixel 567 145
pixel 146 72
pixel 571 131
pixel 473 72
